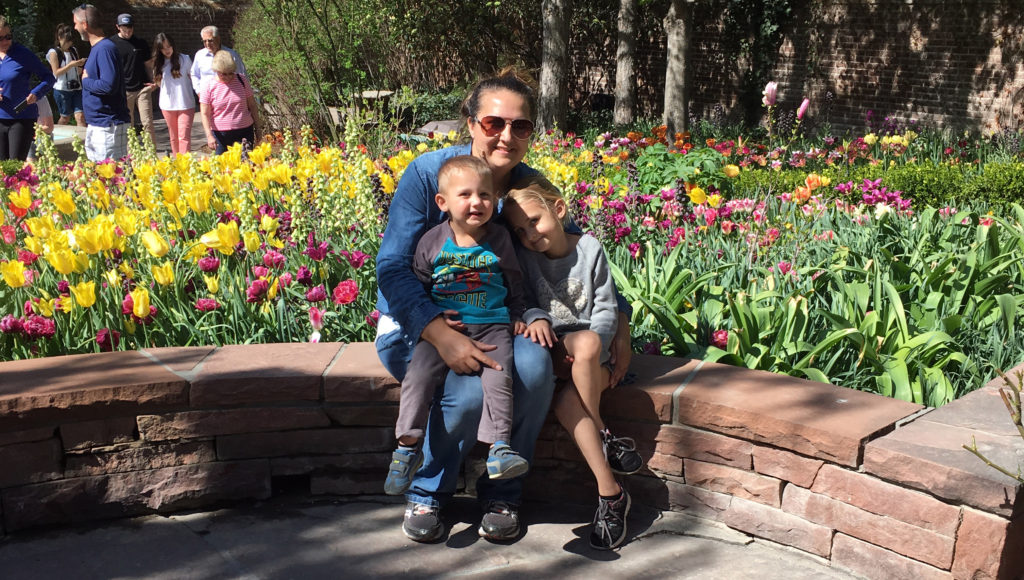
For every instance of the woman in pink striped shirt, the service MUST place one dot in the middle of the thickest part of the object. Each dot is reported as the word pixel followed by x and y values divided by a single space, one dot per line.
pixel 229 110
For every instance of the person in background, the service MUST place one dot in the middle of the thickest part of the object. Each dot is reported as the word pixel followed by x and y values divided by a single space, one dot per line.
pixel 103 94
pixel 67 69
pixel 18 110
pixel 137 61
pixel 177 100
pixel 229 109
pixel 202 64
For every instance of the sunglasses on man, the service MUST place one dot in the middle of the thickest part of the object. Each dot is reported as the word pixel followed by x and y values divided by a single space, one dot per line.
pixel 494 126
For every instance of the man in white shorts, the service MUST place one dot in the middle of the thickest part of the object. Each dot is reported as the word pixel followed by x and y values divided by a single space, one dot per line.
pixel 103 90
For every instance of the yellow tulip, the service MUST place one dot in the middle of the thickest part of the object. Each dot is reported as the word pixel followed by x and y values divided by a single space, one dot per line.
pixel 252 241
pixel 171 191
pixel 129 326
pixel 2 219
pixel 212 283
pixel 144 172
pixel 40 227
pixel 714 200
pixel 272 292
pixel 81 262
pixel 155 243
pixel 84 293
pixel 64 202
pixel 223 183
pixel 259 154
pixel 13 273
pixel 99 192
pixel 731 171
pixel 62 260
pixel 112 277
pixel 22 199
pixel 127 270
pixel 63 303
pixel 163 274
pixel 223 239
pixel 34 245
pixel 106 170
pixel 697 195
pixel 182 162
pixel 45 307
pixel 140 300
pixel 269 224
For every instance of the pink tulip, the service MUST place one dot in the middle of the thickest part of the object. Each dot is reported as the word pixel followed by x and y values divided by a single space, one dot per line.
pixel 316 318
pixel 803 108
pixel 771 91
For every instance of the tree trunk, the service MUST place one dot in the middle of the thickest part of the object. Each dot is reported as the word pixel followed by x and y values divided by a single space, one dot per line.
pixel 676 115
pixel 554 68
pixel 625 68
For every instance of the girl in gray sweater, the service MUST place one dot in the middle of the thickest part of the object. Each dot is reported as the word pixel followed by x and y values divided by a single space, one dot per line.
pixel 570 287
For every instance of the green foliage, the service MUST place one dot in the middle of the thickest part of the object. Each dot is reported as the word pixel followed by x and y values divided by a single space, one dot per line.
pixel 10 166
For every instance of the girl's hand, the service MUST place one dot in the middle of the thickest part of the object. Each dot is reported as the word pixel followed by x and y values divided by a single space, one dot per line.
pixel 519 327
pixel 621 351
pixel 539 331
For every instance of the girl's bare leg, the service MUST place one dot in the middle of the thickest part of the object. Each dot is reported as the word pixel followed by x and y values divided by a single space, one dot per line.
pixel 590 378
pixel 578 422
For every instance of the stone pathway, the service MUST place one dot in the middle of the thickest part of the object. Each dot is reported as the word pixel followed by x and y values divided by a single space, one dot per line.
pixel 291 537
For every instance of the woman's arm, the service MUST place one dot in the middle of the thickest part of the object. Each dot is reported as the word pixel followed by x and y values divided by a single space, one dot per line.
pixel 206 114
pixel 51 57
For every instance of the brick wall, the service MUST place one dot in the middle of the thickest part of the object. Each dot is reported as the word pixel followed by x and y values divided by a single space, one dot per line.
pixel 877 486
pixel 953 63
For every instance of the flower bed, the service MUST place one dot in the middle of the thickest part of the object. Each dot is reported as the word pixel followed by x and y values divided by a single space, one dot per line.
pixel 724 254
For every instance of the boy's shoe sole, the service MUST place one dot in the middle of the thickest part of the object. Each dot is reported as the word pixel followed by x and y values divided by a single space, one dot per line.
pixel 504 463
pixel 500 523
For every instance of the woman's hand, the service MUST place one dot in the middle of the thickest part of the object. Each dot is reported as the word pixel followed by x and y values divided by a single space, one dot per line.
pixel 211 142
pixel 31 98
pixel 539 331
pixel 460 353
pixel 621 351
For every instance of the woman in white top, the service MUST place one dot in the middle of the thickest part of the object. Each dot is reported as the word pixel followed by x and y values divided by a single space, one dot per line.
pixel 67 69
pixel 177 99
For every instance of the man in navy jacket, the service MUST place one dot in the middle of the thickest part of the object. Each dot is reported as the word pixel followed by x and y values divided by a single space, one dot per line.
pixel 103 94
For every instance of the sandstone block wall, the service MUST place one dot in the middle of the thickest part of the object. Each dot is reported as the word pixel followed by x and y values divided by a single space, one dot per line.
pixel 876 486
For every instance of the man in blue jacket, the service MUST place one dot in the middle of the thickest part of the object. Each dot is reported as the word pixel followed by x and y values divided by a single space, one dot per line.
pixel 103 90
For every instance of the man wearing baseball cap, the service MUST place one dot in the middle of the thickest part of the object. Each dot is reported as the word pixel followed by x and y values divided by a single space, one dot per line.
pixel 137 60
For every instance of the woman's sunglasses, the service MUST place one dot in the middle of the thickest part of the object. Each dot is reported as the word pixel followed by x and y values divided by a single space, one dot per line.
pixel 6 37
pixel 493 126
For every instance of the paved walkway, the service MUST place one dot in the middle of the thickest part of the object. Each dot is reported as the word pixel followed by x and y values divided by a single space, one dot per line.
pixel 63 133
pixel 290 537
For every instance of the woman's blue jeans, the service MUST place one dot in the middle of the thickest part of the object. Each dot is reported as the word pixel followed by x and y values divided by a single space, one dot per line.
pixel 455 415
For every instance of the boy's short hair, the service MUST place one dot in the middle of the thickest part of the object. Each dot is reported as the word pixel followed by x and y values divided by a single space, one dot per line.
pixel 536 188
pixel 461 163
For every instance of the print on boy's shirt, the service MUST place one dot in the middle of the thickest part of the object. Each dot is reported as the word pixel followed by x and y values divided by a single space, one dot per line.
pixel 469 280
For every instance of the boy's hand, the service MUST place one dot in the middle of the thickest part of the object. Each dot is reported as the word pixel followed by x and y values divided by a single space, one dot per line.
pixel 539 331
pixel 454 320
pixel 519 327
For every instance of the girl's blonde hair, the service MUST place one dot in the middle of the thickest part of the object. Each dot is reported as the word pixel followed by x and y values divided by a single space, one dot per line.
pixel 538 189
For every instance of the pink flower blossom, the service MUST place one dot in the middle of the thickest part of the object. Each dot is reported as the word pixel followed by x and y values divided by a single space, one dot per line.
pixel 652 348
pixel 285 279
pixel 800 112
pixel 785 268
pixel 209 263
pixel 257 290
pixel 107 339
pixel 26 257
pixel 316 251
pixel 372 318
pixel 355 258
pixel 207 304
pixel 9 233
pixel 36 326
pixel 316 317
pixel 770 94
pixel 634 250
pixel 728 227
pixel 273 259
pixel 11 325
pixel 346 292
pixel 304 276
pixel 720 338
pixel 316 294
pixel 260 271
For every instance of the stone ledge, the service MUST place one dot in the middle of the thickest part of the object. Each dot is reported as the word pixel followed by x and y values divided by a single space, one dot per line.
pixel 826 470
